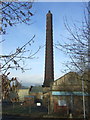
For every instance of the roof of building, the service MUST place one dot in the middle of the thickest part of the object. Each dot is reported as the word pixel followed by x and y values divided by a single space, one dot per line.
pixel 37 89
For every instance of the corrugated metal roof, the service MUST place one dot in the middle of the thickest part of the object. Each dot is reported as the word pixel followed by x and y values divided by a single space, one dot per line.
pixel 63 93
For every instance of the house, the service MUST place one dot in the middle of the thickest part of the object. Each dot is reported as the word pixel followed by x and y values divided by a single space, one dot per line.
pixel 66 95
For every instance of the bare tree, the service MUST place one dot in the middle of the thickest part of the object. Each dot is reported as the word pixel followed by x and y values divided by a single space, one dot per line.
pixel 10 87
pixel 78 49
pixel 13 60
pixel 14 13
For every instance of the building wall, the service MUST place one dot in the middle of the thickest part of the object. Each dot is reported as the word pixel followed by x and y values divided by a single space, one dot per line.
pixel 22 93
pixel 69 83
pixel 38 95
pixel 29 100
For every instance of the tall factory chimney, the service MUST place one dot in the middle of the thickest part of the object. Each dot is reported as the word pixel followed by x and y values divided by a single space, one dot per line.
pixel 49 64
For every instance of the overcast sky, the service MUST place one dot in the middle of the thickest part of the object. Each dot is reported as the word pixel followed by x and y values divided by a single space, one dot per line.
pixel 21 33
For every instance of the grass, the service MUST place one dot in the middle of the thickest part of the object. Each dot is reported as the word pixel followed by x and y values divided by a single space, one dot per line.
pixel 23 110
pixel 16 109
